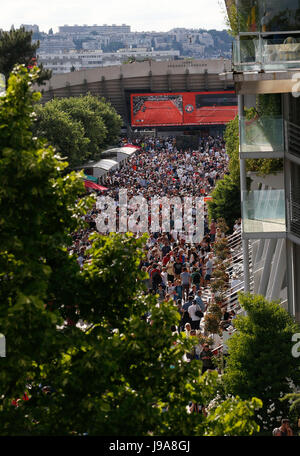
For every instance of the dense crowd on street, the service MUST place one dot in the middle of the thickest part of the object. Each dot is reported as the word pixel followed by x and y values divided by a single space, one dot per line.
pixel 175 268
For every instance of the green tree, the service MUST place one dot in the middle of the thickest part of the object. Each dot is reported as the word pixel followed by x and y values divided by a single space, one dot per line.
pixel 261 360
pixel 226 201
pixel 63 132
pixel 294 402
pixel 117 374
pixel 295 399
pixel 232 141
pixel 265 166
pixel 16 48
pixel 38 211
pixel 79 127
pixel 228 419
pixel 104 110
pixel 231 17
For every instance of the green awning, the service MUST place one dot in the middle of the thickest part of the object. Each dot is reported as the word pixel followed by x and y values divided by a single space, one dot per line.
pixel 91 178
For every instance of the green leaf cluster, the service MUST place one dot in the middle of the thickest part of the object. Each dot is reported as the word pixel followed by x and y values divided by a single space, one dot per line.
pixel 16 48
pixel 226 201
pixel 78 127
pixel 261 358
pixel 115 373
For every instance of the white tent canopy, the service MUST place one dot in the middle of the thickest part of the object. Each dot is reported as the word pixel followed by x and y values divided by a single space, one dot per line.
pixel 125 152
pixel 115 157
pixel 103 166
pixel 106 164
pixel 120 153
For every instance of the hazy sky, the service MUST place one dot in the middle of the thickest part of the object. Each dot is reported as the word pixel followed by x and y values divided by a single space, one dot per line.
pixel 157 15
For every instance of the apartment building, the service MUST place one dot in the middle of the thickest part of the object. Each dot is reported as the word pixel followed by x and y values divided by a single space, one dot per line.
pixel 54 45
pixel 64 62
pixel 266 74
pixel 106 29
pixel 31 28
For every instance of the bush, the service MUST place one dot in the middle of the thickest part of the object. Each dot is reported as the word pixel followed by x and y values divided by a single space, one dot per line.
pixel 221 249
pixel 211 323
pixel 212 319
pixel 221 223
pixel 260 358
pixel 226 201
pixel 79 127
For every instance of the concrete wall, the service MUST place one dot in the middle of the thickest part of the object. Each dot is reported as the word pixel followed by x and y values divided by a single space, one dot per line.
pixel 114 83
pixel 275 181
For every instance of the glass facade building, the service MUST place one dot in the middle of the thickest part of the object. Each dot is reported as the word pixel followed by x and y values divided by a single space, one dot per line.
pixel 268 15
pixel 268 34
pixel 265 70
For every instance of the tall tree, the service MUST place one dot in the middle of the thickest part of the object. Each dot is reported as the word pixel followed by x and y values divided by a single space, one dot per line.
pixel 117 375
pixel 79 127
pixel 226 200
pixel 63 132
pixel 16 47
pixel 261 356
pixel 37 213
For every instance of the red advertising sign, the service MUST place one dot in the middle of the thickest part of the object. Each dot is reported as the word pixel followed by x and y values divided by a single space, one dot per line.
pixel 185 108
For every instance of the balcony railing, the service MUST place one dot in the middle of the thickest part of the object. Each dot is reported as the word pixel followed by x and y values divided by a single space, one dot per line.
pixel 258 52
pixel 294 138
pixel 267 15
pixel 245 55
pixel 294 210
pixel 262 134
pixel 263 211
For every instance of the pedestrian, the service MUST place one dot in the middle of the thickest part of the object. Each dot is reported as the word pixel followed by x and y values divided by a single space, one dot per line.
pixel 213 230
pixel 185 283
pixel 284 430
pixel 206 358
pixel 195 314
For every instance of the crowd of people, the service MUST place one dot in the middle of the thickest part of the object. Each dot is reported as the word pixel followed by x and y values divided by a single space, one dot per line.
pixel 175 268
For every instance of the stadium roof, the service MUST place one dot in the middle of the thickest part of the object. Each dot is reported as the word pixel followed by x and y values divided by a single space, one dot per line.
pixel 116 83
pixel 106 164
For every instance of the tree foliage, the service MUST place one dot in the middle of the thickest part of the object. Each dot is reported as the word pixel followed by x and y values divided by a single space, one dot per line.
pixel 228 419
pixel 260 358
pixel 116 374
pixel 79 128
pixel 16 48
pixel 232 142
pixel 265 166
pixel 63 132
pixel 230 17
pixel 38 211
pixel 226 201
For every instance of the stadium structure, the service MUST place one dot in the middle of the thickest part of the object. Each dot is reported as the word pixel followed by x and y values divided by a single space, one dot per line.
pixel 178 96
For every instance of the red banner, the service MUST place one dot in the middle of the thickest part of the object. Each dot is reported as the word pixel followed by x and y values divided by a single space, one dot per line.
pixel 185 108
pixel 90 184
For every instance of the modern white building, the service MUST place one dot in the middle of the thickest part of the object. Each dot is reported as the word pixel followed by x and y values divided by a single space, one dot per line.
pixel 106 29
pixel 64 62
pixel 266 68
pixel 55 45
pixel 31 28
